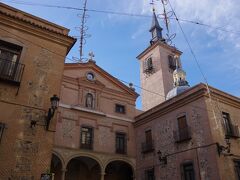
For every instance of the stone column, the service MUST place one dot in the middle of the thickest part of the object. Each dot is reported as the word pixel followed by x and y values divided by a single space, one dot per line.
pixel 63 173
pixel 102 175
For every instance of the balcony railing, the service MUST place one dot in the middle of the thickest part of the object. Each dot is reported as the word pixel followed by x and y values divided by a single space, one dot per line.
pixel 86 146
pixel 183 134
pixel 11 71
pixel 120 151
pixel 232 131
pixel 147 147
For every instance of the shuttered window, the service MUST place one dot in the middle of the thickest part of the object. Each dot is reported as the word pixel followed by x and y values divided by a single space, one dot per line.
pixel 121 143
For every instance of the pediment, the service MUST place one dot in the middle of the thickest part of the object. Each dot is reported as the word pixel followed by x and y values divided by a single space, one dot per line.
pixel 102 79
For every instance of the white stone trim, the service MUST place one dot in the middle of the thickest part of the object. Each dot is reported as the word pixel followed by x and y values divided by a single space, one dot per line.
pixel 67 106
pixel 119 118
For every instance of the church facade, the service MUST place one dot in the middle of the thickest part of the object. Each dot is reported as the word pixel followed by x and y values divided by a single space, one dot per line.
pixel 94 136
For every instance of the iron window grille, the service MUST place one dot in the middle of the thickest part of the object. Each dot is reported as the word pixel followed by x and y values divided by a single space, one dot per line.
pixel 231 130
pixel 10 69
pixel 148 66
pixel 86 138
pixel 121 145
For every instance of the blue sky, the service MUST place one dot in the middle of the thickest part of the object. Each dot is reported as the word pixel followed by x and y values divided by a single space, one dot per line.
pixel 116 40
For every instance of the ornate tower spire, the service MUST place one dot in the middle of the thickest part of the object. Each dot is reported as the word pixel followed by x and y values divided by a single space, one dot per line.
pixel 155 29
pixel 179 75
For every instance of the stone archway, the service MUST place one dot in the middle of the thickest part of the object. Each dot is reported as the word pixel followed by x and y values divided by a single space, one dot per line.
pixel 118 170
pixel 56 166
pixel 83 168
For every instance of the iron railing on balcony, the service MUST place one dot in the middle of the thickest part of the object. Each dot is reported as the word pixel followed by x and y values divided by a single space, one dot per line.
pixel 232 131
pixel 86 146
pixel 11 71
pixel 121 151
pixel 182 134
pixel 147 147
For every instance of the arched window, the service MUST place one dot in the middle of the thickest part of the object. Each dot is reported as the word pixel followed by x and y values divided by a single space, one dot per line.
pixel 89 101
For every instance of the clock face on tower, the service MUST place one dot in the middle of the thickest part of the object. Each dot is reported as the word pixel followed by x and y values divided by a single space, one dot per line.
pixel 90 76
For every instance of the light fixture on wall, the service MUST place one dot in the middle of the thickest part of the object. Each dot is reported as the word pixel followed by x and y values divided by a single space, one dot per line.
pixel 162 158
pixel 225 150
pixel 54 105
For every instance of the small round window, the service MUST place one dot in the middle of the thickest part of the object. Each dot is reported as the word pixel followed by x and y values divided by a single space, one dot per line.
pixel 90 76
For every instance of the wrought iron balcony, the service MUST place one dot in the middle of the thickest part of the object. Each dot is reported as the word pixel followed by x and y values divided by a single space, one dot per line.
pixel 11 72
pixel 232 131
pixel 147 147
pixel 120 151
pixel 86 146
pixel 183 134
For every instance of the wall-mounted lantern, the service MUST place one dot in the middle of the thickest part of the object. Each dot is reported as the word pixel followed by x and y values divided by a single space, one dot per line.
pixel 225 150
pixel 162 158
pixel 54 105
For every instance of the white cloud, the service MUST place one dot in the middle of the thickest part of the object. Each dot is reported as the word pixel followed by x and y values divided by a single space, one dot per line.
pixel 217 13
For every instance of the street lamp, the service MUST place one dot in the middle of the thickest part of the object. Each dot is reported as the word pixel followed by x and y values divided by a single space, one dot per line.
pixel 225 150
pixel 162 158
pixel 54 104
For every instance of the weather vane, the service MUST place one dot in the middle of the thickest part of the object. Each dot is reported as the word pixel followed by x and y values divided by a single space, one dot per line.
pixel 153 5
pixel 166 16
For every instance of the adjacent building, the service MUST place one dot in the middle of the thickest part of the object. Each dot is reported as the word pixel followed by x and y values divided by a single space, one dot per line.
pixel 187 133
pixel 32 55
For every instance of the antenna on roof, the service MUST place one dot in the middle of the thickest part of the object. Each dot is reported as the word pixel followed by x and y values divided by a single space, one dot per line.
pixel 153 5
pixel 166 16
pixel 83 31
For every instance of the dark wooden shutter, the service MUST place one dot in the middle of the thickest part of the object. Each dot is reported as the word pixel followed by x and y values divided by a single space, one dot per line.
pixel 182 122
pixel 148 135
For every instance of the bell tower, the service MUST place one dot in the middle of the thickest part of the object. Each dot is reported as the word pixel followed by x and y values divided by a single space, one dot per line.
pixel 157 64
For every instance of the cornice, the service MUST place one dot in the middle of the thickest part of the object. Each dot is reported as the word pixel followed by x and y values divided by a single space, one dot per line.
pixel 170 105
pixel 184 98
pixel 158 43
pixel 95 112
pixel 32 20
pixel 31 27
pixel 224 97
